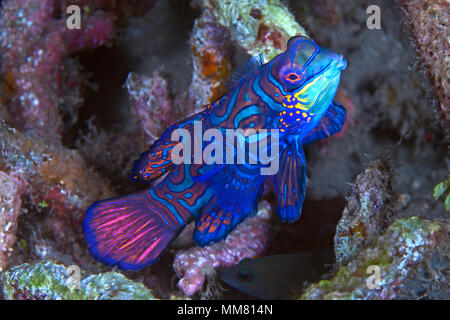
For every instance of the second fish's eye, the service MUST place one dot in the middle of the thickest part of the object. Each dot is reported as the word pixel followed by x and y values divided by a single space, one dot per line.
pixel 245 275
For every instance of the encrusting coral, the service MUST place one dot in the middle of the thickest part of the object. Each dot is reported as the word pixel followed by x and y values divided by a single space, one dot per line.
pixel 212 55
pixel 367 212
pixel 10 203
pixel 411 250
pixel 429 24
pixel 41 83
pixel 255 26
pixel 53 179
pixel 50 281
pixel 193 266
pixel 152 103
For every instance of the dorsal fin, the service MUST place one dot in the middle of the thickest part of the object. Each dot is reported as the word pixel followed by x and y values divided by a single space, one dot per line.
pixel 254 63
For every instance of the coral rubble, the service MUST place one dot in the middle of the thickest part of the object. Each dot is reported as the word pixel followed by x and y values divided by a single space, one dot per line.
pixel 212 55
pixel 50 281
pixel 257 26
pixel 54 180
pixel 411 257
pixel 193 266
pixel 152 103
pixel 10 203
pixel 367 212
pixel 429 23
pixel 41 83
pixel 50 170
pixel 38 80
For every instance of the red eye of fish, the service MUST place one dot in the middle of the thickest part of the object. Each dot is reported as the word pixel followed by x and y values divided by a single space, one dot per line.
pixel 292 77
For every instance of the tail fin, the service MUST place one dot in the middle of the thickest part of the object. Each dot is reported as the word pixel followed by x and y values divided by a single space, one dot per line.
pixel 131 231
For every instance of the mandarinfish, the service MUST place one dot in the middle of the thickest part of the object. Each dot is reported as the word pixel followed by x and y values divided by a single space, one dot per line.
pixel 290 98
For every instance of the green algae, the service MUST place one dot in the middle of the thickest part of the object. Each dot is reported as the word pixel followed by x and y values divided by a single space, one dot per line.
pixel 398 254
pixel 50 281
pixel 257 26
pixel 440 190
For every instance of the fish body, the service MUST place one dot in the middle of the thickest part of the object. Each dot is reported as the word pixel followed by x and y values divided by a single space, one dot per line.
pixel 280 276
pixel 290 98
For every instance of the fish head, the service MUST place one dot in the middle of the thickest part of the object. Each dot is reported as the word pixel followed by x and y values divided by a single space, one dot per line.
pixel 309 76
pixel 248 277
pixel 254 277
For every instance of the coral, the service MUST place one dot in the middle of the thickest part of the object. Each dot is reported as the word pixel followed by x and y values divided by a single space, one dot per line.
pixel 409 247
pixel 196 264
pixel 50 281
pixel 211 53
pixel 56 181
pixel 429 23
pixel 112 152
pixel 257 26
pixel 367 212
pixel 10 203
pixel 50 169
pixel 114 286
pixel 41 82
pixel 152 103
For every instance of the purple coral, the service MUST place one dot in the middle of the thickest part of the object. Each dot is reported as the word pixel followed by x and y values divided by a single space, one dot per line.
pixel 10 194
pixel 248 240
pixel 39 78
pixel 42 83
pixel 151 103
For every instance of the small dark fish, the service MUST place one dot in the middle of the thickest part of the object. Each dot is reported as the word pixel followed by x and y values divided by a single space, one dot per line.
pixel 279 276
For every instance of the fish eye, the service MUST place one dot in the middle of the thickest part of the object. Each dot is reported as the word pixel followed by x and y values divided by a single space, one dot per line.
pixel 292 77
pixel 245 275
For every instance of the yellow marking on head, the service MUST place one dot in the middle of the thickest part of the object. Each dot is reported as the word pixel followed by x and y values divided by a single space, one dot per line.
pixel 305 88
pixel 307 120
pixel 299 106
pixel 304 115
pixel 297 112
pixel 291 114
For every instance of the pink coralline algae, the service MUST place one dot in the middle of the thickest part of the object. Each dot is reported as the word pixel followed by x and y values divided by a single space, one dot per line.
pixel 52 178
pixel 152 103
pixel 40 81
pixel 249 240
pixel 429 22
pixel 212 55
pixel 10 204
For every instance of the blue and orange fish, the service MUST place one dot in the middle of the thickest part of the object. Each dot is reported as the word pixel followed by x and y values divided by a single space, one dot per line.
pixel 292 94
